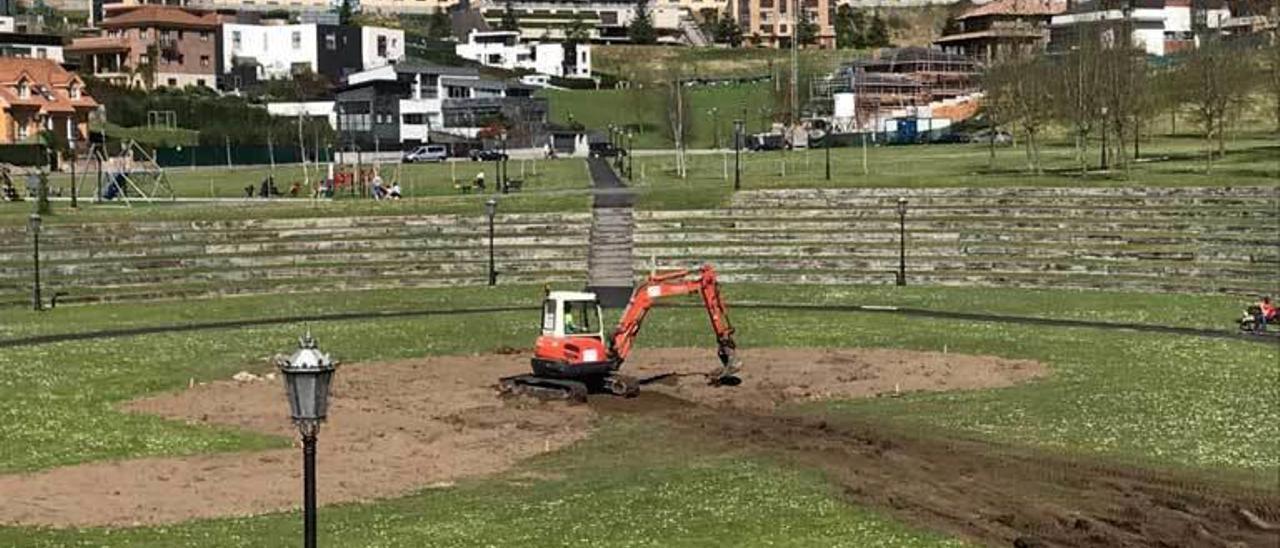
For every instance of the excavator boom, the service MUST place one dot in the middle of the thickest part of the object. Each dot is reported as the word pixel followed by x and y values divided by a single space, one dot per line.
pixel 670 284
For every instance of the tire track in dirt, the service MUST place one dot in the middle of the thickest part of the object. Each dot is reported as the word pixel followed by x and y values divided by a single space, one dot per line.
pixel 983 491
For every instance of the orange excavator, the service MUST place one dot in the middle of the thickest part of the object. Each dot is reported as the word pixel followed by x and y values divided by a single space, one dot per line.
pixel 573 357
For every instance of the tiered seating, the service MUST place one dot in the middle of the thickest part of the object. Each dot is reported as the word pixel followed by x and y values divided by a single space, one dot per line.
pixel 154 260
pixel 1172 239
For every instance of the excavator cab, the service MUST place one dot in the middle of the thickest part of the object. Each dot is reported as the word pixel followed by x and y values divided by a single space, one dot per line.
pixel 572 343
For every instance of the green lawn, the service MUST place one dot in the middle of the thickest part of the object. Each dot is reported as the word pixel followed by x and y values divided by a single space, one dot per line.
pixel 1209 405
pixel 416 180
pixel 1253 159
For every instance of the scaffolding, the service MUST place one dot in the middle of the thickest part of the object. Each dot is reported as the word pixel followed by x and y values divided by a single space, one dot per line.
pixel 897 79
pixel 132 174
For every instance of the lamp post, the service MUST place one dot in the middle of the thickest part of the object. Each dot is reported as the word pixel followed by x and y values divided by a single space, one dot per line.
pixel 715 126
pixel 503 165
pixel 902 241
pixel 34 223
pixel 490 209
pixel 737 154
pixel 826 144
pixel 631 160
pixel 308 374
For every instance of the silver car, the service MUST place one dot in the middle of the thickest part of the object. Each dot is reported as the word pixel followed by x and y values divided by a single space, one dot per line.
pixel 427 153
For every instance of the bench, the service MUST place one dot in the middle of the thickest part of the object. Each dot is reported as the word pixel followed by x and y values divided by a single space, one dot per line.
pixel 513 185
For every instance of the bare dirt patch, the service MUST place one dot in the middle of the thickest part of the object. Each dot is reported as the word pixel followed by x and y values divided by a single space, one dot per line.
pixel 399 427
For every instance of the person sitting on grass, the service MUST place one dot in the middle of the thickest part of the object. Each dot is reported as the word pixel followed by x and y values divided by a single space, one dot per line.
pixel 479 182
pixel 394 193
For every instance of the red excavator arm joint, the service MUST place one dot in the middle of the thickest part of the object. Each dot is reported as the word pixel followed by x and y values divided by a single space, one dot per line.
pixel 669 284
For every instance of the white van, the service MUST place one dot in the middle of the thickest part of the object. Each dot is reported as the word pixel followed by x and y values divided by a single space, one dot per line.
pixel 427 153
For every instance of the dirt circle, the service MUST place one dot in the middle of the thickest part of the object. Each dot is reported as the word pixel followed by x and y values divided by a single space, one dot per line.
pixel 398 427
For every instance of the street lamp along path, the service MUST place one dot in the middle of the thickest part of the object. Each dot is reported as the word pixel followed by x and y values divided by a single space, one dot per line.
pixel 308 375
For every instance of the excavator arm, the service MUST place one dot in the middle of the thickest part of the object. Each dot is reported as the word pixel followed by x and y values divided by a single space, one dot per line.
pixel 670 284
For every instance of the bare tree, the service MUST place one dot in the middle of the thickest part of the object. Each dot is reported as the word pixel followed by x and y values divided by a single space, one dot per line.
pixel 679 117
pixel 1078 104
pixel 1216 82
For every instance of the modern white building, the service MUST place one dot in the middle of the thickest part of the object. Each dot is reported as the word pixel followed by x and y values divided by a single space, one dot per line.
pixel 503 49
pixel 1161 27
pixel 277 51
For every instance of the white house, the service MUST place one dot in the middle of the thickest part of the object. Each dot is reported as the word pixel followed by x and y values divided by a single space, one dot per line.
pixel 279 50
pixel 1161 27
pixel 503 49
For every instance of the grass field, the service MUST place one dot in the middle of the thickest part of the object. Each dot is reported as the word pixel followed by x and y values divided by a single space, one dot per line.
pixel 1253 159
pixel 1163 400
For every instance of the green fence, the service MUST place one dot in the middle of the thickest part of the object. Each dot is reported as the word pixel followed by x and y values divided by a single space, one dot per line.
pixel 239 155
pixel 23 155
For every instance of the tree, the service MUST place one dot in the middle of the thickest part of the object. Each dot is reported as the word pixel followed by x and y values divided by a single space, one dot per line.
pixel 345 12
pixel 510 21
pixel 1019 95
pixel 641 30
pixel 1216 79
pixel 148 70
pixel 849 25
pixel 877 35
pixel 806 28
pixel 728 31
pixel 439 26
pixel 679 117
pixel 577 30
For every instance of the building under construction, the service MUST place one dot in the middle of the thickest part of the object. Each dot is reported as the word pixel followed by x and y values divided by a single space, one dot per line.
pixel 897 79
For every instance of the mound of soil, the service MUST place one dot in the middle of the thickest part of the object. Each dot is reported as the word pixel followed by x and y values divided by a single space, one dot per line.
pixel 398 427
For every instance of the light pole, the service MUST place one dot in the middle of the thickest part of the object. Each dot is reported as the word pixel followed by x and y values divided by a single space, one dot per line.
pixel 308 374
pixel 715 125
pixel 737 154
pixel 902 241
pixel 631 160
pixel 826 144
pixel 34 223
pixel 491 209
pixel 503 165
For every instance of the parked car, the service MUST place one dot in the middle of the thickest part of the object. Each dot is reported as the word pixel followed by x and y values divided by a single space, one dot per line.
pixel 766 141
pixel 426 153
pixel 605 150
pixel 481 155
pixel 984 136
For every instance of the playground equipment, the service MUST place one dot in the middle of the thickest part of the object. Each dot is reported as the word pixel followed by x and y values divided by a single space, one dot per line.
pixel 133 173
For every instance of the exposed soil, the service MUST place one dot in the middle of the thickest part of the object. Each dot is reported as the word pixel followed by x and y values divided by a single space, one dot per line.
pixel 993 494
pixel 399 427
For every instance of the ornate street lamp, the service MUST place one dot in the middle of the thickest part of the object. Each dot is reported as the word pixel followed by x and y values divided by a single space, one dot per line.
pixel 902 241
pixel 33 222
pixel 490 210
pixel 631 160
pixel 308 374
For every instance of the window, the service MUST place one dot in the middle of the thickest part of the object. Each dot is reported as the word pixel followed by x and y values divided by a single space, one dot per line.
pixel 297 39
pixel 581 318
pixel 74 92
pixel 173 82
pixel 23 131
pixel 414 119
pixel 42 53
pixel 382 46
pixel 24 90
pixel 235 39
pixel 330 42
pixel 204 60
pixel 200 82
pixel 204 36
pixel 458 92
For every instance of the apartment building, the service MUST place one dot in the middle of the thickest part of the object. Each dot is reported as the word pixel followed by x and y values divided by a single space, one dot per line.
pixel 252 53
pixel 772 23
pixel 503 49
pixel 1161 27
pixel 38 95
pixel 183 42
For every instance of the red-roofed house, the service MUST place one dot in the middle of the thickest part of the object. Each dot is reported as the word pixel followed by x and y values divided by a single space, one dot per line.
pixel 37 95
pixel 1001 28
pixel 184 43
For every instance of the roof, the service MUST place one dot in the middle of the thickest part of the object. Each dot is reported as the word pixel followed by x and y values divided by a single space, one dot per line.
pixel 1016 7
pixel 483 84
pixel 411 66
pixel 31 39
pixel 162 16
pixel 49 84
pixel 97 44
pixel 1032 34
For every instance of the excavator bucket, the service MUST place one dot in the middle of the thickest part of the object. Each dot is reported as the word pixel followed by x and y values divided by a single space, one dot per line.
pixel 726 374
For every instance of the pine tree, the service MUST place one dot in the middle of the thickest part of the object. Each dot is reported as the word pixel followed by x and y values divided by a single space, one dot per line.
pixel 641 30
pixel 345 12
pixel 509 19
pixel 878 35
pixel 806 29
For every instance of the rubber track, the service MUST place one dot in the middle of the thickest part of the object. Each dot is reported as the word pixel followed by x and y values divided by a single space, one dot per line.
pixel 912 312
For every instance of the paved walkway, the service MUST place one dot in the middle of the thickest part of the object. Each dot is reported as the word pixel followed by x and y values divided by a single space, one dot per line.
pixel 609 268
